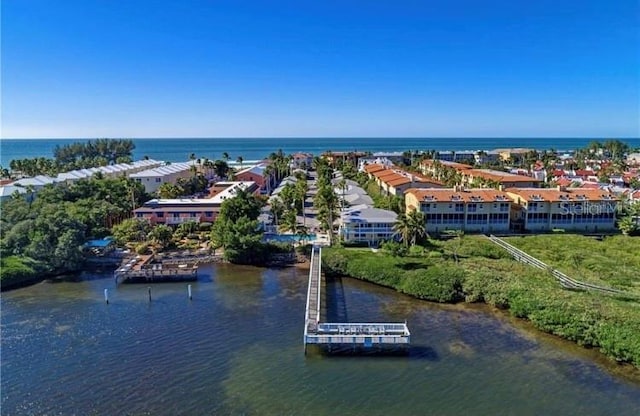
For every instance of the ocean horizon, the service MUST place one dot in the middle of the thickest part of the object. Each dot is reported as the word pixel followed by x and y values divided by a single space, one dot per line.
pixel 251 148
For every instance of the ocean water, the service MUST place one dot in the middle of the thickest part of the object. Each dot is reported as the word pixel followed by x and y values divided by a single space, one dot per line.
pixel 179 149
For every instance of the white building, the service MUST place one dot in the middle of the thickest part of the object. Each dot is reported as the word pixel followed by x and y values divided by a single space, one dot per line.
pixel 152 179
pixel 364 224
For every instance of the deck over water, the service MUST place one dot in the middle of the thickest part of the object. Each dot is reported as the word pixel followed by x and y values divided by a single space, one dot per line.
pixel 354 334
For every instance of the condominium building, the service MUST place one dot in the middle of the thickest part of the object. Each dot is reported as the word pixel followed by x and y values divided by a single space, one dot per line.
pixel 152 179
pixel 469 210
pixel 574 209
pixel 177 211
pixel 394 181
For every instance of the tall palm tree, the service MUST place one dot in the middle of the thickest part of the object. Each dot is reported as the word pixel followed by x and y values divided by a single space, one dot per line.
pixel 240 159
pixel 410 227
pixel 402 229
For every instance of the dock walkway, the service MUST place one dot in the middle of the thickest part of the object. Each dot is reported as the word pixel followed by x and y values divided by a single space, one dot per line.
pixel 366 335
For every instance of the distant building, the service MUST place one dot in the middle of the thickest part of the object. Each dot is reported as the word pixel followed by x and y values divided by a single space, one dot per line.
pixel 468 210
pixel 153 178
pixel 395 181
pixel 301 160
pixel 257 174
pixel 479 177
pixel 575 209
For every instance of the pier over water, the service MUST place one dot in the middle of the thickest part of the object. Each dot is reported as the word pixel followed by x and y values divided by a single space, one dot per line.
pixel 345 334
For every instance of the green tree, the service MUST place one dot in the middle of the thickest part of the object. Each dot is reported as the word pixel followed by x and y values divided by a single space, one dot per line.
pixel 161 235
pixel 131 230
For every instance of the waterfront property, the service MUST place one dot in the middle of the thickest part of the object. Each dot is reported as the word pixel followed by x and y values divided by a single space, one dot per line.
pixel 365 224
pixel 574 209
pixel 469 210
pixel 178 211
pixel 258 174
pixel 353 335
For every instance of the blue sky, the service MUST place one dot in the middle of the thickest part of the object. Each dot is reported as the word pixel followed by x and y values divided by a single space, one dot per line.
pixel 91 68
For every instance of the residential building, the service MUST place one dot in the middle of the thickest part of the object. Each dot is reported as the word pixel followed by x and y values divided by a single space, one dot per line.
pixel 574 209
pixel 109 171
pixel 152 179
pixel 455 156
pixel 258 174
pixel 367 225
pixel 489 177
pixel 468 210
pixel 394 181
pixel 177 211
pixel 301 160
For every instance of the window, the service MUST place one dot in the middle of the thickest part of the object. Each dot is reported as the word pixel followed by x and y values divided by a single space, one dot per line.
pixel 138 214
pixel 160 214
pixel 158 180
pixel 472 207
pixel 208 213
pixel 459 207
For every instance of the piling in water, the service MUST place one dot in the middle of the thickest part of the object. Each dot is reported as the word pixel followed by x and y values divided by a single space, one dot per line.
pixel 189 291
pixel 106 296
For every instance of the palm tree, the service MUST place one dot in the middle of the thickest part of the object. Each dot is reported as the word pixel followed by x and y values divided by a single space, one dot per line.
pixel 225 156
pixel 402 228
pixel 410 227
pixel 240 160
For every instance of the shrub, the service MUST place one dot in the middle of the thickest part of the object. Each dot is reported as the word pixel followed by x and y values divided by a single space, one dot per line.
pixel 437 283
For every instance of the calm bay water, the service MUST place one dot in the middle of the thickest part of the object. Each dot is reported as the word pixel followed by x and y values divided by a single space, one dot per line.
pixel 179 149
pixel 237 349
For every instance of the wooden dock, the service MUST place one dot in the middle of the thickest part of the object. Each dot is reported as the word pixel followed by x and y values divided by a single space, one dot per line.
pixel 352 335
pixel 141 269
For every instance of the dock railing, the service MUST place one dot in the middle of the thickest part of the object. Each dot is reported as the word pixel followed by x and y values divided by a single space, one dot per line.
pixel 354 334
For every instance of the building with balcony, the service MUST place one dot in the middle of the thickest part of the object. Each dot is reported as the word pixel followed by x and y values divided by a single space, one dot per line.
pixel 572 209
pixel 468 210
pixel 178 211
pixel 367 225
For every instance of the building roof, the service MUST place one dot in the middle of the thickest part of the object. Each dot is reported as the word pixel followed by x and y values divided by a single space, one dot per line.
pixel 562 194
pixel 359 214
pixel 454 195
pixel 499 176
pixel 255 170
pixel 374 167
pixel 215 200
